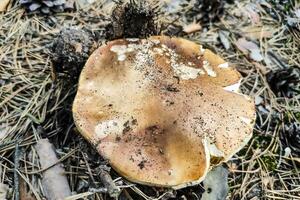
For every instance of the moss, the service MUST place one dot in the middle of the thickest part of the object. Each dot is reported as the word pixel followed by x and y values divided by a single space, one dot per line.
pixel 261 141
pixel 270 162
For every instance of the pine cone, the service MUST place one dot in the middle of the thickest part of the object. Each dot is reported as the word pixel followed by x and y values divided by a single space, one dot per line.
pixel 290 136
pixel 285 82
pixel 206 10
pixel 132 20
pixel 47 6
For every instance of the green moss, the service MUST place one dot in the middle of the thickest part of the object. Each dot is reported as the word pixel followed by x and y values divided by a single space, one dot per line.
pixel 270 162
pixel 261 141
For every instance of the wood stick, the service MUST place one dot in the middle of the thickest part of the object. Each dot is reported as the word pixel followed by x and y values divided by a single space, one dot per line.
pixel 16 175
pixel 109 184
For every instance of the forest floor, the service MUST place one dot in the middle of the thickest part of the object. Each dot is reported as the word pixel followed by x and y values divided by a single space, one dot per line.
pixel 259 37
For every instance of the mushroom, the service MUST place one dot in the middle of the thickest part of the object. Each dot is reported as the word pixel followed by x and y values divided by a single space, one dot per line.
pixel 163 111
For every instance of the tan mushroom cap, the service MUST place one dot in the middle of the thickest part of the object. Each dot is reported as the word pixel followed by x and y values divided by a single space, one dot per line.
pixel 160 110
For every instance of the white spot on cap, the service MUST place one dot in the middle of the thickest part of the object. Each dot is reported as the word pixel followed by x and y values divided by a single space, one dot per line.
pixel 155 41
pixel 202 50
pixel 106 128
pixel 120 50
pixel 209 69
pixel 223 65
pixel 158 50
pixel 121 57
pixel 246 120
pixel 132 39
pixel 185 72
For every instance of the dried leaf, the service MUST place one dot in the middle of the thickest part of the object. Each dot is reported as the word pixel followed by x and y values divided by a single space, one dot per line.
pixel 54 181
pixel 3 191
pixel 223 35
pixel 248 47
pixel 24 193
pixel 3 5
pixel 216 184
pixel 252 14
pixel 191 28
pixel 256 55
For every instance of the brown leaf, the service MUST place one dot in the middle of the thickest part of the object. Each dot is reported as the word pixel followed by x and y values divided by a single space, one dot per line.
pixel 3 5
pixel 253 15
pixel 191 28
pixel 224 35
pixel 24 194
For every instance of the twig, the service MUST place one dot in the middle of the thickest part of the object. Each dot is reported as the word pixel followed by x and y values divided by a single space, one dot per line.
pixel 109 184
pixel 16 175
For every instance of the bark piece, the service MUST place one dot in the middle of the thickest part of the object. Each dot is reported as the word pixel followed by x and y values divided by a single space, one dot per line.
pixel 54 181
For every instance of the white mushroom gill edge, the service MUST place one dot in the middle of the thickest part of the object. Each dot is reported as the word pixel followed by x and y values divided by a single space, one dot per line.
pixel 214 151
pixel 207 158
pixel 234 87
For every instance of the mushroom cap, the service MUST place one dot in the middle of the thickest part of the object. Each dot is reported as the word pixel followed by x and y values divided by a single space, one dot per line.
pixel 162 110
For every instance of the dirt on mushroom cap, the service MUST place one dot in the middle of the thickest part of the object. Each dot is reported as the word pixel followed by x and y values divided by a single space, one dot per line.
pixel 157 109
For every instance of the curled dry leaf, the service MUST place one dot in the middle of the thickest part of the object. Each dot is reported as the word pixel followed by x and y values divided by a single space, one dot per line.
pixel 191 28
pixel 248 47
pixel 224 35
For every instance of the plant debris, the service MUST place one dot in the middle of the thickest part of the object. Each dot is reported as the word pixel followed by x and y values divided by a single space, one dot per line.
pixel 47 6
pixel 191 28
pixel 70 50
pixel 3 191
pixel 55 183
pixel 3 5
pixel 132 20
pixel 215 184
pixel 290 136
pixel 206 11
pixel 285 82
pixel 249 47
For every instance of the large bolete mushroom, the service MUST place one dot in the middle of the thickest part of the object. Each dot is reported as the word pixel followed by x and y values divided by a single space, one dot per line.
pixel 162 110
